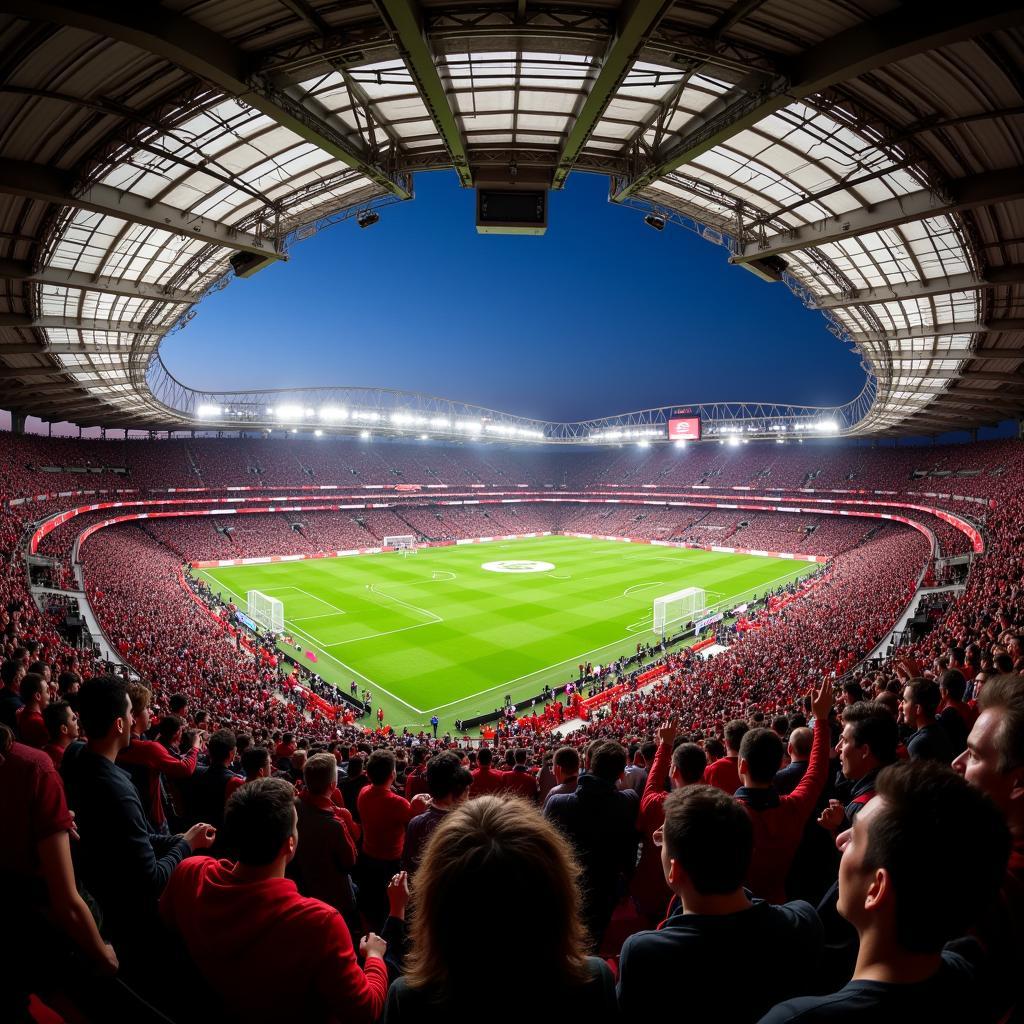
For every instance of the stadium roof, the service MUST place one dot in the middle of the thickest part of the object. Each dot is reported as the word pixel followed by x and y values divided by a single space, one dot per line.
pixel 868 155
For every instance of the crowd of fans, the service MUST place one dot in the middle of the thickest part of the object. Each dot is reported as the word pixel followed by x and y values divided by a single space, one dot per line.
pixel 203 845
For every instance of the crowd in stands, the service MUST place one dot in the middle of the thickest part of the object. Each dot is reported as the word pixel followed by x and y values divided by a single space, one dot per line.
pixel 774 834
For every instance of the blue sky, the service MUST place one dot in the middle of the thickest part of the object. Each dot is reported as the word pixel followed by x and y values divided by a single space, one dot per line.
pixel 601 315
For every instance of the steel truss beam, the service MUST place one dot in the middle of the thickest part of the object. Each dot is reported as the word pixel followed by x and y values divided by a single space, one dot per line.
pixel 37 181
pixel 960 354
pixel 982 376
pixel 633 30
pixel 942 330
pixel 23 320
pixel 403 19
pixel 994 277
pixel 903 32
pixel 961 194
pixel 21 270
pixel 63 350
pixel 202 52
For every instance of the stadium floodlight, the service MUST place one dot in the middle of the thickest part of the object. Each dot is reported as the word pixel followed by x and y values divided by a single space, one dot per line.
pixel 440 423
pixel 643 444
pixel 652 220
pixel 367 218
pixel 680 443
pixel 733 441
pixel 288 412
pixel 364 434
pixel 424 437
pixel 205 412
pixel 780 440
pixel 318 433
pixel 332 413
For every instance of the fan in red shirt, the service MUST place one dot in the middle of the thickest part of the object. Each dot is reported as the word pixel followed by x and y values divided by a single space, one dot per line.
pixel 521 781
pixel 383 815
pixel 255 765
pixel 232 916
pixel 724 773
pixel 62 729
pixel 146 760
pixel 485 779
pixel 36 696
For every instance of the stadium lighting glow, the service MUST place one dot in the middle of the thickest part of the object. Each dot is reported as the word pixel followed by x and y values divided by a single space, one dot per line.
pixel 318 433
pixel 288 412
pixel 331 413
pixel 205 412
pixel 643 444
pixel 424 437
pixel 680 443
pixel 734 441
pixel 364 434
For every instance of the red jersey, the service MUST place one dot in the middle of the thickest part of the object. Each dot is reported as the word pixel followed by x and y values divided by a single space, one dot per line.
pixel 145 761
pixel 229 926
pixel 384 816
pixel 32 728
pixel 724 773
pixel 486 780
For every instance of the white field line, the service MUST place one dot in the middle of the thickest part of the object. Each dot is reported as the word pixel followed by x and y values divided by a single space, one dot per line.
pixel 640 586
pixel 386 632
pixel 405 604
pixel 312 640
pixel 574 658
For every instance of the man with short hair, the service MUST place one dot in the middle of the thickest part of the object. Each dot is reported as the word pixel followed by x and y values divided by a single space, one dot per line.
pixel 146 761
pixel 124 864
pixel 600 821
pixel 955 716
pixel 928 739
pixel 799 749
pixel 779 821
pixel 724 773
pixel 256 764
pixel 35 695
pixel 237 917
pixel 326 855
pixel 383 815
pixel 635 775
pixel 448 782
pixel 207 791
pixel 61 728
pixel 706 845
pixel 566 767
pixel 12 672
pixel 894 889
pixel 994 763
pixel 485 778
pixel 520 781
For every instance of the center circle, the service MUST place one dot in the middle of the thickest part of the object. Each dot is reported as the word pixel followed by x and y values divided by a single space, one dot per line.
pixel 518 565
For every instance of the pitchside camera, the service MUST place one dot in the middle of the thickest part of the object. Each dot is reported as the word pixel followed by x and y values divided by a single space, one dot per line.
pixel 652 220
pixel 367 218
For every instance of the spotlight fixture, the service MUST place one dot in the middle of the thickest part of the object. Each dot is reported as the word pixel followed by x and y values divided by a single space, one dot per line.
pixel 652 220
pixel 367 218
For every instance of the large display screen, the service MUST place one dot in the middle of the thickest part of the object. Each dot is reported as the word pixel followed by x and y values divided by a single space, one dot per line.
pixel 684 428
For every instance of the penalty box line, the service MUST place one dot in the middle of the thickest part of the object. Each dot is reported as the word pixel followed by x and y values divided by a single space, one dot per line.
pixel 315 643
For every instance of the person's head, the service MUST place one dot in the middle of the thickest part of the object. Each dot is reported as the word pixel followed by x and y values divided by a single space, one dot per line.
pixel 952 684
pixel 221 748
pixel 565 764
pixel 105 711
pixel 520 756
pixel 994 758
pixel 485 849
pixel 448 779
pixel 34 690
pixel 68 683
pixel 298 760
pixel 800 741
pixel 688 764
pixel 646 754
pixel 11 673
pixel 890 702
pixel 61 723
pixel 381 768
pixel 169 730
pixel 894 872
pixel 483 757
pixel 256 763
pixel 141 696
pixel 868 740
pixel 260 824
pixel 761 754
pixel 355 766
pixel 852 693
pixel 320 774
pixel 608 761
pixel 178 704
pixel 920 702
pixel 707 842
pixel 734 733
pixel 714 748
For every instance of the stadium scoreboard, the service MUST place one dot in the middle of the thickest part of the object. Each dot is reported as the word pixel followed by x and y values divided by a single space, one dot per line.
pixel 684 428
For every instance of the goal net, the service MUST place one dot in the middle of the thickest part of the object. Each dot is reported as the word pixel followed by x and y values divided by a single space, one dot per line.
pixel 406 544
pixel 680 607
pixel 267 611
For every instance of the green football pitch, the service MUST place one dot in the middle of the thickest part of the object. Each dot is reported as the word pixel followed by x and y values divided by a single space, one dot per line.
pixel 451 630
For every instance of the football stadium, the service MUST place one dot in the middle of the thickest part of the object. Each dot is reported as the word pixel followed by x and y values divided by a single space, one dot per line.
pixel 513 489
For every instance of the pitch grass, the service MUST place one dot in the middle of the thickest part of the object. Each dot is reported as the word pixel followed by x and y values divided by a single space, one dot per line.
pixel 434 633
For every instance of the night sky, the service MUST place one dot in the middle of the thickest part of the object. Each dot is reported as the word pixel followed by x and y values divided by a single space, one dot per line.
pixel 601 315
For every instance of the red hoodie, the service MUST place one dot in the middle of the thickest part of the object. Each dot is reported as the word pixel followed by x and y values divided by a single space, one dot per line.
pixel 309 971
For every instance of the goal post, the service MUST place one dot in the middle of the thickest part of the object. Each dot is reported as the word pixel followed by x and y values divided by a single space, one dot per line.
pixel 405 543
pixel 267 611
pixel 682 606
